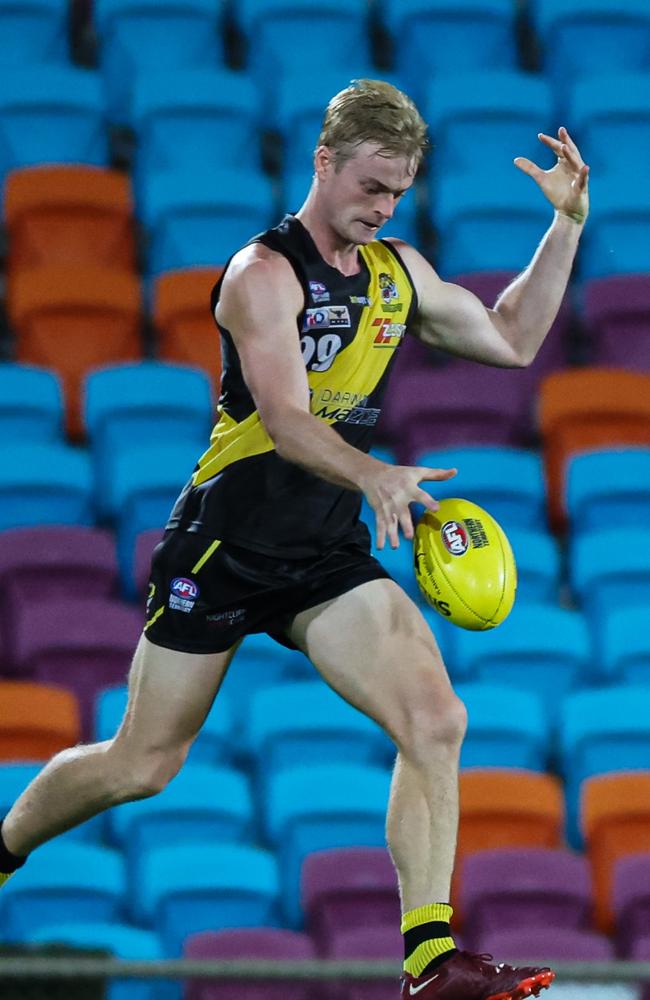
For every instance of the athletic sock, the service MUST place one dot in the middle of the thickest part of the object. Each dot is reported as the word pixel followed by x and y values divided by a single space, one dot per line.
pixel 427 938
pixel 9 863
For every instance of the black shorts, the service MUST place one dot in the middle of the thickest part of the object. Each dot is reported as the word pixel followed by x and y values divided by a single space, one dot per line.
pixel 205 595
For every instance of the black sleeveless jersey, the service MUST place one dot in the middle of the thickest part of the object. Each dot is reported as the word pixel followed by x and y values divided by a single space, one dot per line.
pixel 349 330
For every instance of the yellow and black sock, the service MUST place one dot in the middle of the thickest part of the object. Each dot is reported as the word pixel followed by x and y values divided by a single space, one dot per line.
pixel 9 863
pixel 427 938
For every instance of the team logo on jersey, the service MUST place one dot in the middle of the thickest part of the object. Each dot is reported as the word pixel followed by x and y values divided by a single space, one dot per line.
pixel 360 300
pixel 389 334
pixel 318 291
pixel 183 594
pixel 326 317
pixel 389 293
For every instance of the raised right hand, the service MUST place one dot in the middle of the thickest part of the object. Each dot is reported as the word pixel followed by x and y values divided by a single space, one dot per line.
pixel 389 489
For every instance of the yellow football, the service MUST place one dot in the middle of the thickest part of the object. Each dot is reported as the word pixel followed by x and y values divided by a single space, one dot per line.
pixel 464 565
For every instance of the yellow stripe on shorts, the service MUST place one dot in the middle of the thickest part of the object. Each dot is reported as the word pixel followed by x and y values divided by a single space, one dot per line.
pixel 206 555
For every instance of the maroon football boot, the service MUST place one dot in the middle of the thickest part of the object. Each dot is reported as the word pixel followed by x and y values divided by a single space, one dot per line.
pixel 465 976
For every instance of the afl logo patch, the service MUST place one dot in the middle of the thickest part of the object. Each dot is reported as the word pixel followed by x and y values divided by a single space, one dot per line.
pixel 187 589
pixel 454 538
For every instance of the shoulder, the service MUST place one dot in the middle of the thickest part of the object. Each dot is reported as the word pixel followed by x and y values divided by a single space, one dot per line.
pixel 417 264
pixel 257 274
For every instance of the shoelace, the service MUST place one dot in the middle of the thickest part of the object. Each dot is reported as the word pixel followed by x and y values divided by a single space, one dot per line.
pixel 484 961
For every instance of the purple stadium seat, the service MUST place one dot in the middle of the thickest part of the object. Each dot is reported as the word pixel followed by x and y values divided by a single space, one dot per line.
pixel 641 953
pixel 528 887
pixel 547 944
pixel 84 644
pixel 348 887
pixel 145 543
pixel 253 942
pixel 383 943
pixel 617 315
pixel 631 900
pixel 52 562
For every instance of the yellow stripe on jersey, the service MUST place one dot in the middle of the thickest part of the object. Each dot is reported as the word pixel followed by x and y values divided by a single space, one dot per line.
pixel 356 371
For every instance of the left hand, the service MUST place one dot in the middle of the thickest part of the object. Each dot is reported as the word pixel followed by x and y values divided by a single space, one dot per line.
pixel 566 184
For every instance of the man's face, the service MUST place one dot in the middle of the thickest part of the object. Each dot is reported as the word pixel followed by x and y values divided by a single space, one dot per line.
pixel 363 194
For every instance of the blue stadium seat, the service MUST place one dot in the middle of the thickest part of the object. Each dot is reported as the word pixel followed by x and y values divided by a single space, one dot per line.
pixel 540 648
pixel 625 647
pixel 51 114
pixel 608 569
pixel 196 887
pixel 44 484
pixel 432 37
pixel 188 114
pixel 602 731
pixel 617 239
pixel 14 779
pixel 590 37
pixel 610 112
pixel 31 404
pixel 213 745
pixel 311 808
pixel 309 722
pixel 483 227
pixel 500 112
pixel 203 804
pixel 138 35
pixel 130 405
pixel 507 482
pixel 198 218
pixel 121 940
pixel 33 32
pixel 399 563
pixel 312 35
pixel 539 570
pixel 63 881
pixel 608 487
pixel 506 728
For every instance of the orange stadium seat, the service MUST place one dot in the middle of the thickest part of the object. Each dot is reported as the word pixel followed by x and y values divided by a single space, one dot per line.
pixel 506 807
pixel 615 818
pixel 36 721
pixel 69 215
pixel 584 410
pixel 74 319
pixel 186 330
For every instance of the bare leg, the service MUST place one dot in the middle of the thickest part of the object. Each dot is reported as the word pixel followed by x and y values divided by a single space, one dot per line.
pixel 170 694
pixel 373 646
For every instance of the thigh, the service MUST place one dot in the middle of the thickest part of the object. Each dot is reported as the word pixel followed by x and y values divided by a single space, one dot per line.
pixel 170 695
pixel 375 648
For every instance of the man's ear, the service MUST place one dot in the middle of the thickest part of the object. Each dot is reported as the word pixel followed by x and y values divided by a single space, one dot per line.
pixel 323 161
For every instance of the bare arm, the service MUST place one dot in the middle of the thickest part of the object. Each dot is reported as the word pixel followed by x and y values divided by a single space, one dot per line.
pixel 260 301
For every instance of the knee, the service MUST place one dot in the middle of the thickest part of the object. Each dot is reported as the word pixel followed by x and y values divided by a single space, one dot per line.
pixel 143 774
pixel 431 718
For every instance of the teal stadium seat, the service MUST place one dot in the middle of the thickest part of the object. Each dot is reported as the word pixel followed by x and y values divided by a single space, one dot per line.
pixel 14 779
pixel 581 38
pixel 133 405
pixel 136 36
pixel 439 37
pixel 51 114
pixel 539 647
pixel 197 218
pixel 617 239
pixel 44 484
pixel 539 570
pixel 185 114
pixel 312 808
pixel 310 723
pixel 625 646
pixel 601 731
pixel 196 887
pixel 608 487
pixel 202 804
pixel 33 32
pixel 63 881
pixel 507 727
pixel 213 745
pixel 31 404
pixel 609 569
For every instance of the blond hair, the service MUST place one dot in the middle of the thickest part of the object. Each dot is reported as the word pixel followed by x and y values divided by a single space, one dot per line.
pixel 374 111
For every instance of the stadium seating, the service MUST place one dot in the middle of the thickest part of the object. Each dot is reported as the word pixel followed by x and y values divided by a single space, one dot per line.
pixel 616 240
pixel 186 331
pixel 136 583
pixel 624 647
pixel 37 721
pixel 14 779
pixel 196 887
pixel 370 943
pixel 537 556
pixel 631 900
pixel 608 487
pixel 586 409
pixel 31 404
pixel 615 822
pixel 55 309
pixel 506 727
pixel 512 888
pixel 33 32
pixel 557 944
pixel 138 36
pixel 44 484
pixel 255 943
pixel 69 215
pixel 622 580
pixel 51 114
pixel 63 881
pixel 616 314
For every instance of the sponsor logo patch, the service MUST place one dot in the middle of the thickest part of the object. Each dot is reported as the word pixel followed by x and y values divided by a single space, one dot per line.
pixel 183 594
pixel 227 618
pixel 326 318
pixel 389 334
pixel 360 300
pixel 455 538
pixel 318 291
